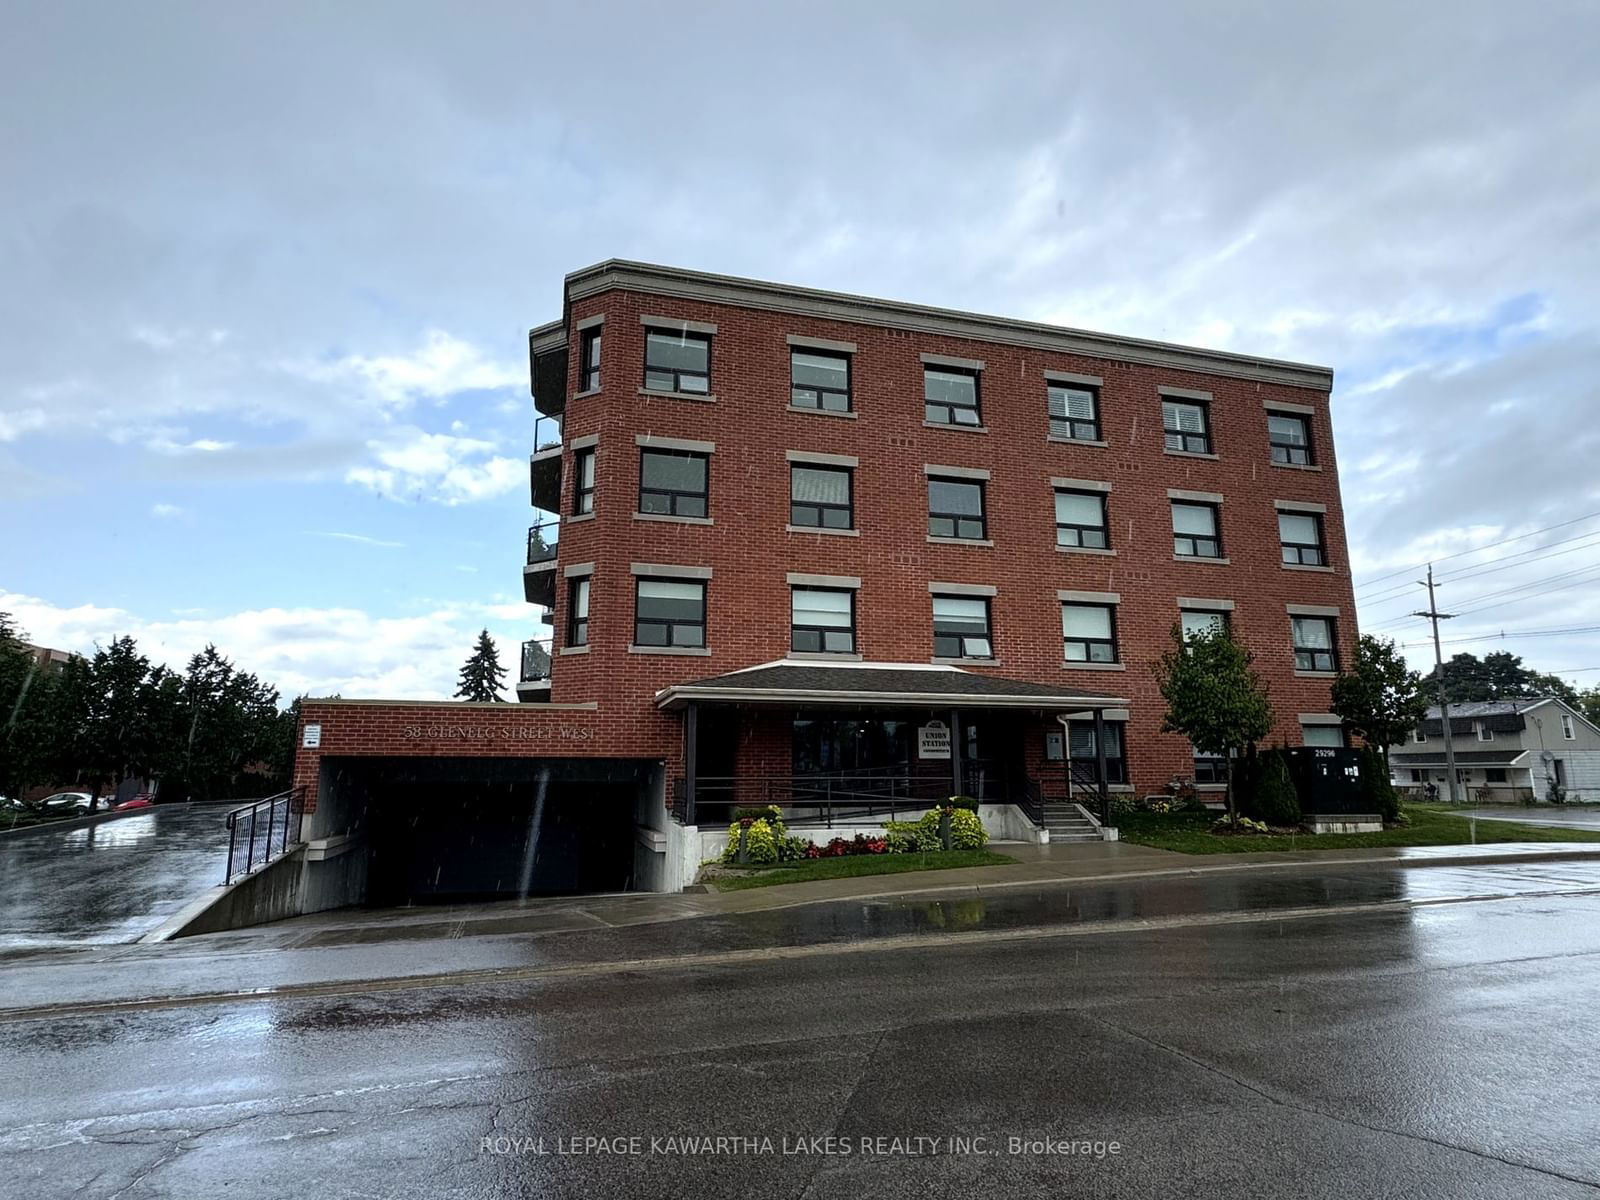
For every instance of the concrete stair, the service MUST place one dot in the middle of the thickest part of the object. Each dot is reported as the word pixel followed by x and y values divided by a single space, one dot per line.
pixel 1067 824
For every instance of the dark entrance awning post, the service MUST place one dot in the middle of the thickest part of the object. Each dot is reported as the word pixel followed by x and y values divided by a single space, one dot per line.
pixel 691 746
pixel 955 751
pixel 1100 764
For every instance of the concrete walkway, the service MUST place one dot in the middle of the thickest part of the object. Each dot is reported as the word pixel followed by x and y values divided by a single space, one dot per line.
pixel 1544 814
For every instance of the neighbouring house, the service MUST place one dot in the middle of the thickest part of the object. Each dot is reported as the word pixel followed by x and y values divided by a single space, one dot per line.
pixel 1505 750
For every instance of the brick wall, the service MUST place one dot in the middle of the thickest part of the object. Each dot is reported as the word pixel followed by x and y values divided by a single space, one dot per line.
pixel 750 553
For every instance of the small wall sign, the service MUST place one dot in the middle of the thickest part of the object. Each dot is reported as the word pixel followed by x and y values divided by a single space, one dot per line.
pixel 311 737
pixel 933 740
pixel 1053 749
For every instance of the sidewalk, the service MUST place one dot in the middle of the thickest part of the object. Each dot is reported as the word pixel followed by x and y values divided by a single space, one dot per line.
pixel 1084 889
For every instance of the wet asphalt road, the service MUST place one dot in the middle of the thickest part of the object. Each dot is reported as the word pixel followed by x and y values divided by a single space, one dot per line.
pixel 1405 1042
pixel 111 882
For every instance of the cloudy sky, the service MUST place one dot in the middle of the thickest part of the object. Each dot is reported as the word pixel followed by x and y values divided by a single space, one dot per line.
pixel 267 271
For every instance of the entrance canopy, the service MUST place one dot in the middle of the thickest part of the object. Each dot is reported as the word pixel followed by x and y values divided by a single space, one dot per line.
pixel 796 682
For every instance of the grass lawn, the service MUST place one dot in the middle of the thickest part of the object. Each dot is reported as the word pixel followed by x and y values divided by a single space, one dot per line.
pixel 857 864
pixel 1191 833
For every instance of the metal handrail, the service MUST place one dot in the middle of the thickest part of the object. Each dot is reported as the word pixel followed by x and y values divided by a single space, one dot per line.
pixel 546 434
pixel 272 828
pixel 540 549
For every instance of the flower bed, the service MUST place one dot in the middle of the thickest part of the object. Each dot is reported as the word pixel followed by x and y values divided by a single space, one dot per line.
pixel 765 840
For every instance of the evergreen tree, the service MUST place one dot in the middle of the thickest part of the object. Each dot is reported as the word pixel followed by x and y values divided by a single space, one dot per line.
pixel 1214 696
pixel 482 676
pixel 27 703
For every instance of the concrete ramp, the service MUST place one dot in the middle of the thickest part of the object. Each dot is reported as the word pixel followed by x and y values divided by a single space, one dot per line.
pixel 107 881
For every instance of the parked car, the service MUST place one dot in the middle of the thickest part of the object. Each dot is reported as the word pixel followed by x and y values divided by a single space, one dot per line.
pixel 65 803
pixel 142 800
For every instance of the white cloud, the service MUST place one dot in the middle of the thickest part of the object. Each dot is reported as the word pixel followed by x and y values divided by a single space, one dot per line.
pixel 440 467
pixel 164 445
pixel 441 366
pixel 315 651
pixel 14 424
pixel 166 510
pixel 361 538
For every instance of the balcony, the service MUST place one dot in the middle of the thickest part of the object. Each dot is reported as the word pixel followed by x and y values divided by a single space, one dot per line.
pixel 547 367
pixel 544 468
pixel 539 574
pixel 533 684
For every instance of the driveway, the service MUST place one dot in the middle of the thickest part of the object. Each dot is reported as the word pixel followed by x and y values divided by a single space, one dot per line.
pixel 111 882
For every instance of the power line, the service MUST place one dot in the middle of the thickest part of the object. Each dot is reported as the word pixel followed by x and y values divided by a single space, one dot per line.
pixel 1479 549
pixel 1526 585
pixel 1589 540
pixel 1537 586
pixel 1502 634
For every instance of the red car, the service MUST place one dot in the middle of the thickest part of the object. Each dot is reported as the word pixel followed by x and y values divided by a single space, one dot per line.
pixel 142 800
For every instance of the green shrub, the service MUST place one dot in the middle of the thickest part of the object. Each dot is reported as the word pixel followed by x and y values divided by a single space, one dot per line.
pixel 762 840
pixel 964 802
pixel 966 831
pixel 1377 789
pixel 1123 805
pixel 1274 801
pixel 911 837
pixel 793 849
pixel 770 813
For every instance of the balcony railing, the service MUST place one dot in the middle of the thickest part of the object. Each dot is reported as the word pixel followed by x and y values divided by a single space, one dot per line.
pixel 542 541
pixel 535 660
pixel 547 434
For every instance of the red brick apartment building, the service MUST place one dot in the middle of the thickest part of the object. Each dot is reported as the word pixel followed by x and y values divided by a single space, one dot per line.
pixel 847 555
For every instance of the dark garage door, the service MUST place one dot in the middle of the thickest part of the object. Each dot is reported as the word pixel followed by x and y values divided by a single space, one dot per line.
pixel 441 841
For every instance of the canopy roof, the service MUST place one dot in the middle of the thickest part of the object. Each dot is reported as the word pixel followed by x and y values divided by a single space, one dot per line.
pixel 913 685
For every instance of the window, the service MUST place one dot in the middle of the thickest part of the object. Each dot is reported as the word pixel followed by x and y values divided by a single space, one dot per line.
pixel 950 397
pixel 1482 731
pixel 1088 633
pixel 1186 425
pixel 1194 530
pixel 822 620
pixel 589 360
pixel 1418 776
pixel 1210 768
pixel 1081 520
pixel 1567 731
pixel 1074 412
pixel 1313 643
pixel 1081 753
pixel 819 497
pixel 672 483
pixel 578 611
pixel 1322 735
pixel 1301 535
pixel 961 627
pixel 677 362
pixel 1494 774
pixel 1194 622
pixel 583 482
pixel 1290 438
pixel 669 612
pixel 955 509
pixel 818 380
pixel 1418 736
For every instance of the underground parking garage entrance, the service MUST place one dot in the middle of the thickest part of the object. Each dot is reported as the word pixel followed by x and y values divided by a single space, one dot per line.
pixel 446 830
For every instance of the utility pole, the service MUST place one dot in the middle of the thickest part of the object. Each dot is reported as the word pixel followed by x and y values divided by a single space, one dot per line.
pixel 1433 614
